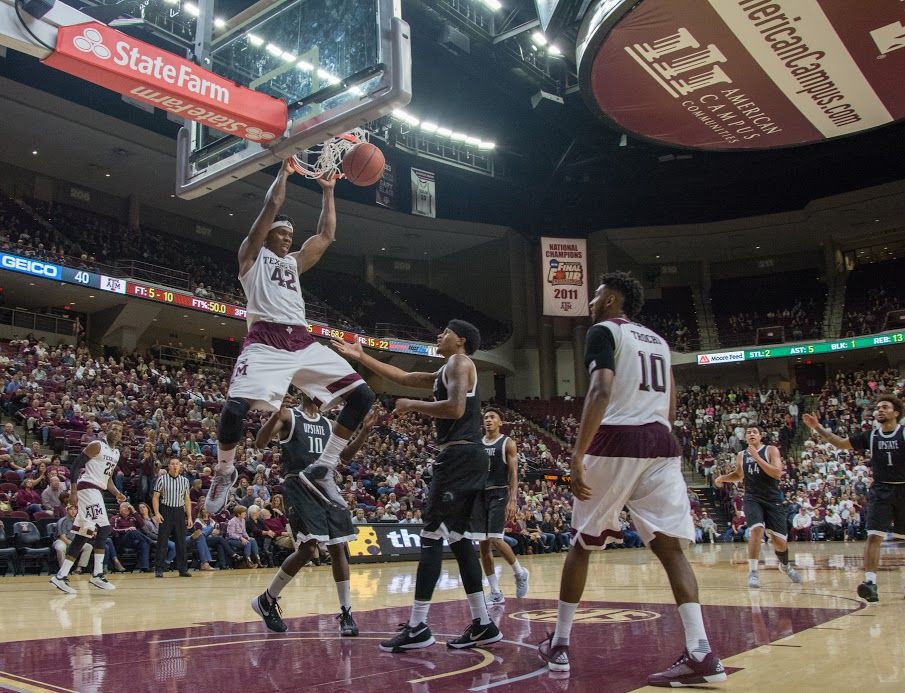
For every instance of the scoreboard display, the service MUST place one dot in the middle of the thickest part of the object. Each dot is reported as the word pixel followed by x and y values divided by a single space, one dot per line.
pixel 148 292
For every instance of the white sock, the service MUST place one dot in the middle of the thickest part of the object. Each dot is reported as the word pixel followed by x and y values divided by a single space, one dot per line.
pixel 478 607
pixel 870 577
pixel 330 456
pixel 695 636
pixel 344 591
pixel 65 568
pixel 419 613
pixel 565 614
pixel 752 565
pixel 226 461
pixel 98 564
pixel 517 567
pixel 494 582
pixel 280 580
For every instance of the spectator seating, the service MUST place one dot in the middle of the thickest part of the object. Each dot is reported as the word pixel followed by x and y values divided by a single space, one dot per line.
pixel 439 309
pixel 870 295
pixel 673 317
pixel 791 300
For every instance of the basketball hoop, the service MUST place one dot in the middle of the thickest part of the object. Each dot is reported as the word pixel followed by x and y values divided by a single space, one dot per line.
pixel 329 154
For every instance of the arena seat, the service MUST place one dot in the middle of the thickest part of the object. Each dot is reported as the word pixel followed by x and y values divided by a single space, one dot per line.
pixel 32 548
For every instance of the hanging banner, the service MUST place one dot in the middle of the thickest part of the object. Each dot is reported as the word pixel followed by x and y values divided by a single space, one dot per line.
pixel 424 193
pixel 564 262
pixel 744 74
pixel 386 187
pixel 151 75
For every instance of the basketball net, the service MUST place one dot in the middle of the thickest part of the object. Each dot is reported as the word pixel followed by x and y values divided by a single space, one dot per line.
pixel 329 154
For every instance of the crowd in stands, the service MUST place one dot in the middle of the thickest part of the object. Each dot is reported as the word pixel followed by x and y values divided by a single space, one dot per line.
pixel 57 399
pixel 793 301
pixel 870 295
pixel 439 308
pixel 672 316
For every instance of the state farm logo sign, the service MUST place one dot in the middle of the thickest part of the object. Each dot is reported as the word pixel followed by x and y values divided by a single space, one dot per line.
pixel 107 57
pixel 91 41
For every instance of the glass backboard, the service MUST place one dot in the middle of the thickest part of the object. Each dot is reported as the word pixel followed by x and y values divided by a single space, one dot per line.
pixel 337 64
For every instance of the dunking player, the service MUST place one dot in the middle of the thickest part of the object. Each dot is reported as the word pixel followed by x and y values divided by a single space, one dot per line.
pixel 626 455
pixel 91 522
pixel 460 474
pixel 496 505
pixel 279 350
pixel 303 432
pixel 760 467
pixel 886 499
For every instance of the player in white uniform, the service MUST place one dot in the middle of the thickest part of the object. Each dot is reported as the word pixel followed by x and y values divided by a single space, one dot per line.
pixel 91 522
pixel 626 455
pixel 279 349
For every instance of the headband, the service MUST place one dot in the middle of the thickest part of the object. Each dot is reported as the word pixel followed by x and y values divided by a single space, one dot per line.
pixel 282 222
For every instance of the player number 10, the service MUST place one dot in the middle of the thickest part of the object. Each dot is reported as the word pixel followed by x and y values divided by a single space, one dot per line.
pixel 654 376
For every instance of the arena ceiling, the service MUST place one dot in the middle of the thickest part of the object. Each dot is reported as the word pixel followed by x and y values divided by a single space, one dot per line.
pixel 567 172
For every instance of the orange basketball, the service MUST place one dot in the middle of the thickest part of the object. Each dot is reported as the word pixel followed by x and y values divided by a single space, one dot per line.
pixel 364 163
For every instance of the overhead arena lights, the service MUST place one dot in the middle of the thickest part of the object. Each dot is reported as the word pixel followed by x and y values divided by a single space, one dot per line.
pixel 433 128
pixel 494 5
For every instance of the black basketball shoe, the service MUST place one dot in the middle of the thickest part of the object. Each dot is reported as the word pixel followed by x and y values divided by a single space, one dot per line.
pixel 476 634
pixel 409 638
pixel 347 625
pixel 868 592
pixel 270 612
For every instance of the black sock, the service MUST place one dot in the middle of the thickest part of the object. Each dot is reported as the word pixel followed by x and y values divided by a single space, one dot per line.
pixel 783 556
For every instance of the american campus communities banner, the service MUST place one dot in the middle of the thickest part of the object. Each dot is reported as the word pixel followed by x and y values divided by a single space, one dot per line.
pixel 564 263
pixel 424 193
pixel 745 74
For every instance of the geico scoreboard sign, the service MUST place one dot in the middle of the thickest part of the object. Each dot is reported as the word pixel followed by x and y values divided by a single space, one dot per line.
pixel 26 265
pixel 744 74
pixel 140 71
pixel 387 542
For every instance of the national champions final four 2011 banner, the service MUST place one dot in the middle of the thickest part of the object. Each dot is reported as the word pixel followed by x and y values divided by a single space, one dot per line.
pixel 564 263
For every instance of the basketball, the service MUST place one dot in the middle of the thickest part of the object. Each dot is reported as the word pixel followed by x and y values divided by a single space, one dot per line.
pixel 363 165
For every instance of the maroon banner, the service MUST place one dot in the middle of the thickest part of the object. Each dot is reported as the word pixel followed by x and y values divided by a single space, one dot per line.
pixel 745 74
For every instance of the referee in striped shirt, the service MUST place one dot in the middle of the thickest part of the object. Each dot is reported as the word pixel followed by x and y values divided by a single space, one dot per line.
pixel 173 512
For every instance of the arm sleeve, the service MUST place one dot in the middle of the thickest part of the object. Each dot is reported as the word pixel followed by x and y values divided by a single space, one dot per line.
pixel 600 349
pixel 859 440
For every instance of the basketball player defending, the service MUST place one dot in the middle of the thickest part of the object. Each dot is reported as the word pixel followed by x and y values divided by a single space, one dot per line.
pixel 496 506
pixel 760 467
pixel 460 474
pixel 279 349
pixel 626 455
pixel 886 498
pixel 91 522
pixel 303 432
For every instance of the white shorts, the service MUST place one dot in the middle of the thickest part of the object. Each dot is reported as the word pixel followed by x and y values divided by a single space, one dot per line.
pixel 263 374
pixel 653 489
pixel 92 512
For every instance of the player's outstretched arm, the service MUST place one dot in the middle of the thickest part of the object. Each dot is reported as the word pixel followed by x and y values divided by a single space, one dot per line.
pixel 111 487
pixel 315 247
pixel 360 438
pixel 733 477
pixel 458 369
pixel 273 202
pixel 355 352
pixel 813 423
pixel 512 477
pixel 278 420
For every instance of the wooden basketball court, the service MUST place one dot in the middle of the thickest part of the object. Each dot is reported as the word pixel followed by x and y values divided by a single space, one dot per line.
pixel 178 635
